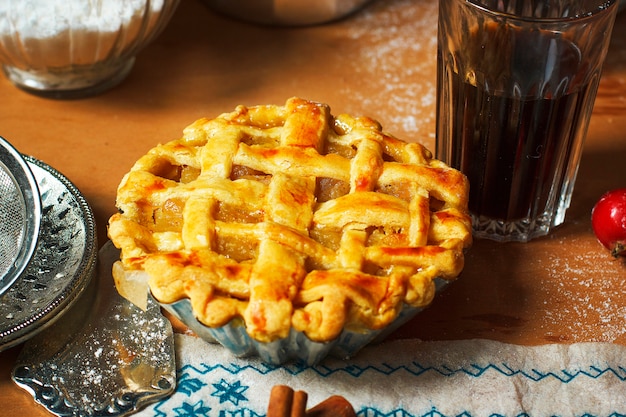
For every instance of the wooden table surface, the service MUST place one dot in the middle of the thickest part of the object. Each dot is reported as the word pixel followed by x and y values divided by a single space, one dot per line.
pixel 564 288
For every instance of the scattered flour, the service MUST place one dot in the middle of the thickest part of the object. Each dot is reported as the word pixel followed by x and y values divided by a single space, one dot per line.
pixel 399 65
pixel 579 288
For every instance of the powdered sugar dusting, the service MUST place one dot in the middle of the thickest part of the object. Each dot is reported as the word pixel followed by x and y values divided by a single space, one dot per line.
pixel 39 19
pixel 579 286
pixel 58 33
pixel 398 65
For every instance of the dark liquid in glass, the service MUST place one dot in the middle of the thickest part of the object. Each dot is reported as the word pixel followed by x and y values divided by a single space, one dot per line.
pixel 513 129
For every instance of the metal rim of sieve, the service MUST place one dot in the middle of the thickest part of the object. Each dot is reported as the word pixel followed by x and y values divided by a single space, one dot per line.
pixel 20 214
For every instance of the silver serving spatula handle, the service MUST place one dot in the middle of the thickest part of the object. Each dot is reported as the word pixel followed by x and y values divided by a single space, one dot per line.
pixel 104 357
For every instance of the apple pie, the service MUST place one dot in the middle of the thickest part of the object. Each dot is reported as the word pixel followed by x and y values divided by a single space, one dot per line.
pixel 288 218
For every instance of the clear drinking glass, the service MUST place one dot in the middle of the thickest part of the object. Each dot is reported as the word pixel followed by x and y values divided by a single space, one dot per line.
pixel 516 85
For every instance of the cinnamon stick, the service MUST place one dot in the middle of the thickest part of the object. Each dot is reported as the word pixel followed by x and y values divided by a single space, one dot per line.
pixel 298 407
pixel 285 402
pixel 335 406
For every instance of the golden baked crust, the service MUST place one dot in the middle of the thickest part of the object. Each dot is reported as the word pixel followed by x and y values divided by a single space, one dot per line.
pixel 285 216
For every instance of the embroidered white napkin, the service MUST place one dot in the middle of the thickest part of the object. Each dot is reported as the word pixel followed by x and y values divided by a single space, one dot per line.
pixel 411 378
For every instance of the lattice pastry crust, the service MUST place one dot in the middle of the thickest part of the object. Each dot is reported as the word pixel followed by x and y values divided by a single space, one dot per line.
pixel 286 216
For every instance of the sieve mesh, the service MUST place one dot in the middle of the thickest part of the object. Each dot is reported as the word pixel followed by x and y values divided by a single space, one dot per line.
pixel 12 220
pixel 20 212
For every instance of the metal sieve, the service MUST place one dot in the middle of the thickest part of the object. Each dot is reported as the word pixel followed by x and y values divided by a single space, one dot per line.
pixel 20 214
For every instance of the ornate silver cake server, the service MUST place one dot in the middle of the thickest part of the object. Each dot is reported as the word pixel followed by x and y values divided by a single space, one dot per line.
pixel 104 357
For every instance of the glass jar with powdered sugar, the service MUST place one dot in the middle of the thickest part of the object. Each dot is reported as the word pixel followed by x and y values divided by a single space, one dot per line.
pixel 76 48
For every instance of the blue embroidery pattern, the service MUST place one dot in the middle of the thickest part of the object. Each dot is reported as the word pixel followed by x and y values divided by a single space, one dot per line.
pixel 229 392
pixel 223 396
pixel 372 412
pixel 192 410
pixel 188 385
pixel 415 369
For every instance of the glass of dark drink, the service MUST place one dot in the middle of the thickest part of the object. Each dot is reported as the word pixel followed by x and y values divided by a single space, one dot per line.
pixel 516 83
